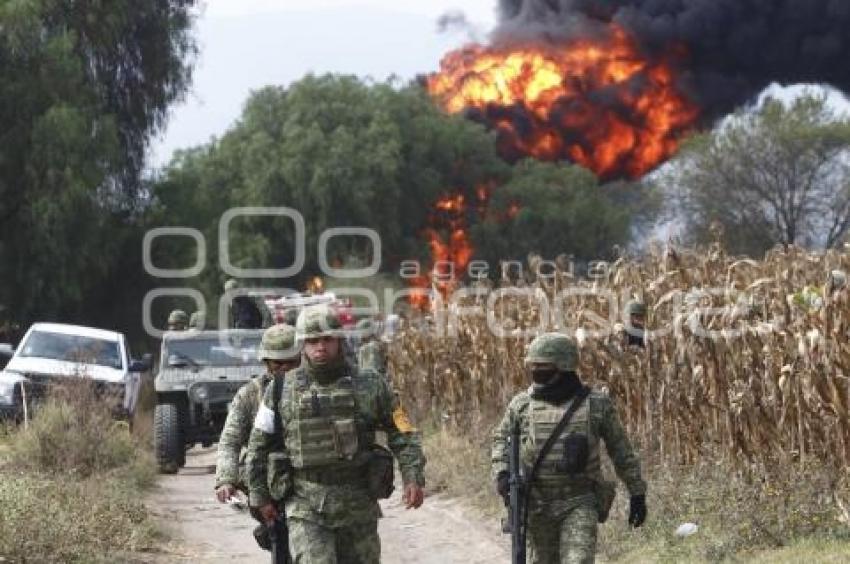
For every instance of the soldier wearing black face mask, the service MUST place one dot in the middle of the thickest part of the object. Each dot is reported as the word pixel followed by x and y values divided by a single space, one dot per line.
pixel 568 495
pixel 636 317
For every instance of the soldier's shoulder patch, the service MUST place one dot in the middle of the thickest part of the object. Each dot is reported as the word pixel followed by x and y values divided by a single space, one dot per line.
pixel 402 421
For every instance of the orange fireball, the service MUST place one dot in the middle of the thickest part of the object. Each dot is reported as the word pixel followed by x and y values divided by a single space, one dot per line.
pixel 598 103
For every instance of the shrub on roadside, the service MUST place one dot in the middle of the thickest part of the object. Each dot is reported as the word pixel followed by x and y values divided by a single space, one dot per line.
pixel 73 432
pixel 72 481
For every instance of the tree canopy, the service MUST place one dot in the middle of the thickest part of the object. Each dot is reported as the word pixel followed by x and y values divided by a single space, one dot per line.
pixel 776 175
pixel 348 152
pixel 83 87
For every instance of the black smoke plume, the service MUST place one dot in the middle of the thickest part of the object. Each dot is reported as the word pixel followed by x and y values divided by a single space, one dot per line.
pixel 734 48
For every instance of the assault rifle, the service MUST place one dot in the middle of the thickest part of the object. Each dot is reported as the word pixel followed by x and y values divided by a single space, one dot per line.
pixel 279 537
pixel 516 522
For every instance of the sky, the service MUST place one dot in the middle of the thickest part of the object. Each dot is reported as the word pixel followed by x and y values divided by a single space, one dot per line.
pixel 248 44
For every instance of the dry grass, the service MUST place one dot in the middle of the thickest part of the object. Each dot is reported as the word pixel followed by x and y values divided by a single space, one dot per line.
pixel 466 480
pixel 744 430
pixel 71 483
pixel 778 389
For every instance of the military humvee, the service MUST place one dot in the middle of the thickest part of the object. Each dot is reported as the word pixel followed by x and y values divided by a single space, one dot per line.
pixel 199 373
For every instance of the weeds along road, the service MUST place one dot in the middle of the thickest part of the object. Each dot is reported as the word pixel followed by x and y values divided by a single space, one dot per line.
pixel 203 530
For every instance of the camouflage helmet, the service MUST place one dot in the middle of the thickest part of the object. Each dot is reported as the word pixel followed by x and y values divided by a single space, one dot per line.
pixel 837 280
pixel 198 319
pixel 318 321
pixel 230 285
pixel 553 348
pixel 178 317
pixel 278 343
pixel 635 307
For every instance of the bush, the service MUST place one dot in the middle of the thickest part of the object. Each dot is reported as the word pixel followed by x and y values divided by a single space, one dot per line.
pixel 73 432
pixel 71 483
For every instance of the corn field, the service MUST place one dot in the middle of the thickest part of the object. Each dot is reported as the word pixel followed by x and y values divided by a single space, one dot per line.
pixel 745 358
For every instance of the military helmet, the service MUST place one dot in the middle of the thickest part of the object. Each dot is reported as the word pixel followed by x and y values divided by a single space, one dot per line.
pixel 198 319
pixel 318 321
pixel 278 343
pixel 230 285
pixel 178 317
pixel 635 307
pixel 554 348
pixel 837 280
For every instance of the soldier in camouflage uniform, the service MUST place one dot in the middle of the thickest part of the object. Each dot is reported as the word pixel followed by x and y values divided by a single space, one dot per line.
pixel 279 353
pixel 372 352
pixel 636 316
pixel 198 320
pixel 328 415
pixel 177 320
pixel 569 494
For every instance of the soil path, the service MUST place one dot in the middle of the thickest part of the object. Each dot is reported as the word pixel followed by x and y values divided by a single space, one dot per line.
pixel 203 530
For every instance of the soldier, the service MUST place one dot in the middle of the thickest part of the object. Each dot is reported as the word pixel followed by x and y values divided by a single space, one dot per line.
pixel 279 353
pixel 568 495
pixel 177 320
pixel 636 318
pixel 244 313
pixel 198 320
pixel 372 352
pixel 327 419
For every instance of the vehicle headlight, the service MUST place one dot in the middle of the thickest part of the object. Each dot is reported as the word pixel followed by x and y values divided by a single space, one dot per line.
pixel 7 392
pixel 200 394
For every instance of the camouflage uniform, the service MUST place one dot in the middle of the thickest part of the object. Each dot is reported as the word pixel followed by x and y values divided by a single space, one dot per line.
pixel 230 464
pixel 564 508
pixel 330 414
pixel 198 320
pixel 373 355
pixel 277 344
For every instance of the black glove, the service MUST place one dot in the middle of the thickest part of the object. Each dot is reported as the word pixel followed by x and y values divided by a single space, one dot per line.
pixel 503 484
pixel 637 510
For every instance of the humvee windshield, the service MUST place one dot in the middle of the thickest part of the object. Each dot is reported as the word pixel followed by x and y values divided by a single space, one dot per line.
pixel 214 351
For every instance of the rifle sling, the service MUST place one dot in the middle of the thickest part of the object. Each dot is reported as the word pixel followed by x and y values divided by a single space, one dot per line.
pixel 562 424
pixel 277 392
pixel 578 399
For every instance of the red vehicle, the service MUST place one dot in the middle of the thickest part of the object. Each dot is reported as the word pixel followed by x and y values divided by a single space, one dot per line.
pixel 279 306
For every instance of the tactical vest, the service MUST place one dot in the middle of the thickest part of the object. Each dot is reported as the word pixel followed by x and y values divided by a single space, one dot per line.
pixel 555 471
pixel 325 429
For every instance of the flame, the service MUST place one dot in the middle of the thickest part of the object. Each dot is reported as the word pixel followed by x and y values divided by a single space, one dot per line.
pixel 598 103
pixel 449 242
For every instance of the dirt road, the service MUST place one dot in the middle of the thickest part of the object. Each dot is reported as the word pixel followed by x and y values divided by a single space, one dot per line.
pixel 203 530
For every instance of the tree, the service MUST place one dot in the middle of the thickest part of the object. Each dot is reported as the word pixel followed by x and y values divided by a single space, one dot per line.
pixel 553 209
pixel 83 87
pixel 341 151
pixel 348 152
pixel 776 175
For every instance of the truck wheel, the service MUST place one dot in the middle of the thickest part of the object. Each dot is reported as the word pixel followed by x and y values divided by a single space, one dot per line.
pixel 168 437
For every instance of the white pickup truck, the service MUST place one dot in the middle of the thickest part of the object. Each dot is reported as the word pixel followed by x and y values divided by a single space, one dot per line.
pixel 52 352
